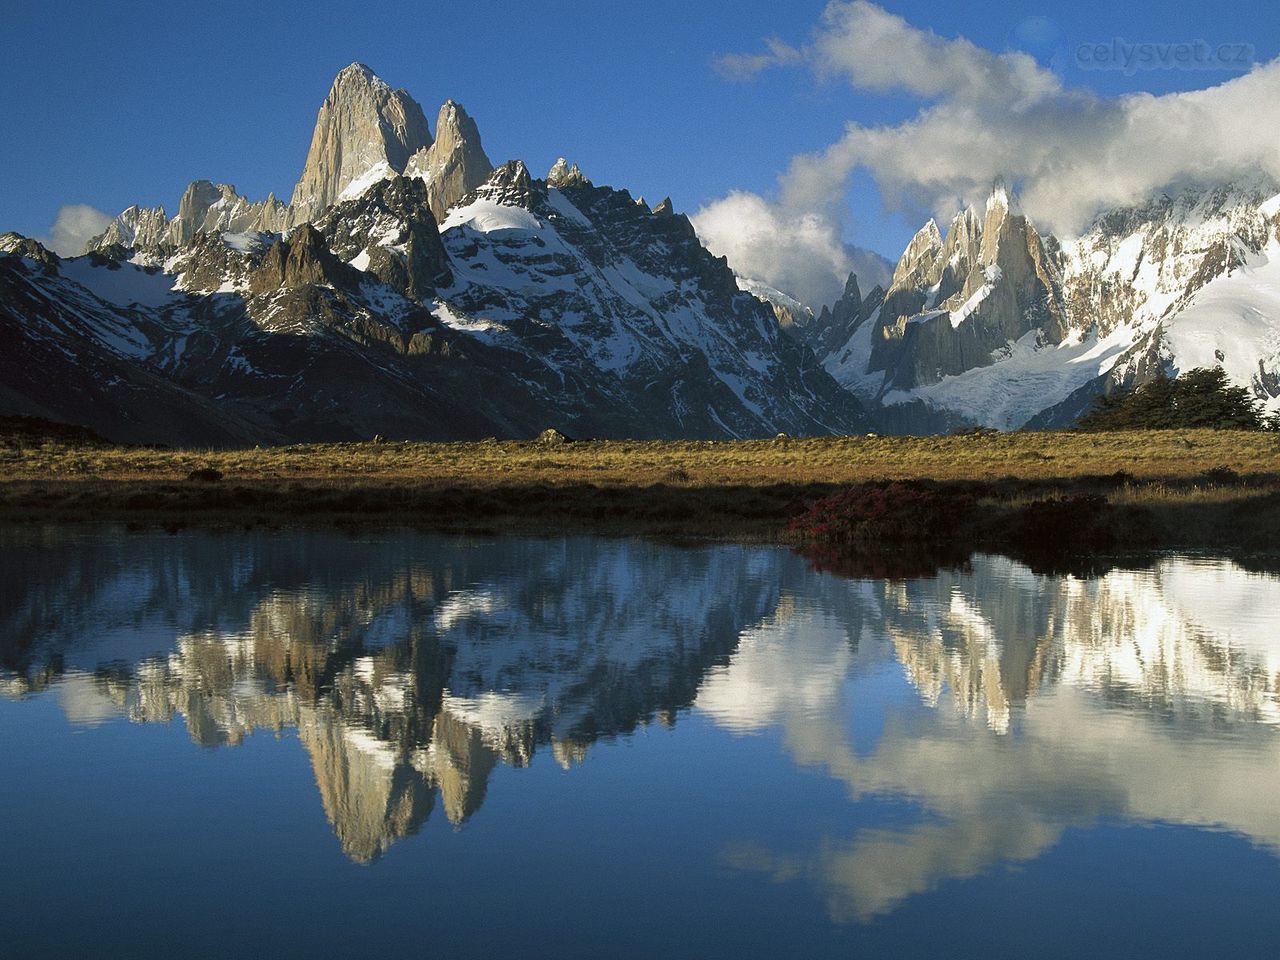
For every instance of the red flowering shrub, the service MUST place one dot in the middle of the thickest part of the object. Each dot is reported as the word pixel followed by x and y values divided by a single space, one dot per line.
pixel 892 513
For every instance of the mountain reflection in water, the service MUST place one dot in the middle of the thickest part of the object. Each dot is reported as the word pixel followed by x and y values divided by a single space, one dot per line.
pixel 412 666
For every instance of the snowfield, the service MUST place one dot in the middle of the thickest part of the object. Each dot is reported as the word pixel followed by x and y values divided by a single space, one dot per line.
pixel 1234 322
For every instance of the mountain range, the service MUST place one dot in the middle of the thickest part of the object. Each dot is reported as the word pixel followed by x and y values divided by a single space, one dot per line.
pixel 410 288
pixel 996 324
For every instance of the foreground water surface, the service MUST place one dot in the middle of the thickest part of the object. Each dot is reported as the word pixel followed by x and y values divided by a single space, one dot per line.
pixel 309 744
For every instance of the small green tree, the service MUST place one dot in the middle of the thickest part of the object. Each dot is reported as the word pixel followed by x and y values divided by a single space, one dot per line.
pixel 1199 399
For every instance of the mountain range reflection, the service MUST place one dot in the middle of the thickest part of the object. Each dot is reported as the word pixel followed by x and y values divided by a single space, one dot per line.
pixel 1051 702
pixel 412 666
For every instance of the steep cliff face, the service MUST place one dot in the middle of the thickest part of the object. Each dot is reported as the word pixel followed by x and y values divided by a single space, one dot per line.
pixel 833 329
pixel 137 228
pixel 364 132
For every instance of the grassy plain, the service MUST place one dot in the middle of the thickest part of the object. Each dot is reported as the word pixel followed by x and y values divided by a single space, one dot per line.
pixel 1203 487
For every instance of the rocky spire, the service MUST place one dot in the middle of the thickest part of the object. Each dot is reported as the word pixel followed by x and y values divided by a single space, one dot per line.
pixel 365 130
pixel 920 257
pixel 852 295
pixel 952 307
pixel 301 260
pixel 1004 216
pixel 840 321
pixel 455 164
pixel 961 254
pixel 562 174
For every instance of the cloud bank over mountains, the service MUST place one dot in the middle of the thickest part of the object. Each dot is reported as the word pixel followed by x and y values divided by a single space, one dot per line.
pixel 984 115
pixel 75 225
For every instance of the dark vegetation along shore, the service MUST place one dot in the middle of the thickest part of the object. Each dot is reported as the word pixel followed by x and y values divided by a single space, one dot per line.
pixel 846 501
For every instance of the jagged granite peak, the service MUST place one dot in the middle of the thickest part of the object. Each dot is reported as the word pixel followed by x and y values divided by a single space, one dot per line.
pixel 455 164
pixel 961 253
pixel 836 324
pixel 15 244
pixel 136 227
pixel 509 185
pixel 364 132
pixel 852 295
pixel 390 232
pixel 1003 200
pixel 563 174
pixel 302 259
pixel 207 207
pixel 532 305
pixel 920 257
pixel 665 208
pixel 1007 327
pixel 950 312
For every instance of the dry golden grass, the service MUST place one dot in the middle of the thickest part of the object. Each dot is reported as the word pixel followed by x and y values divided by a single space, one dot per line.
pixel 1171 455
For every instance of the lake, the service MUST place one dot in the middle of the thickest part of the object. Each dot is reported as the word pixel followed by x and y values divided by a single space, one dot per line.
pixel 308 743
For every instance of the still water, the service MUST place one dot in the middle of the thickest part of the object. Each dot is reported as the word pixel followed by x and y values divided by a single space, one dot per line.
pixel 313 744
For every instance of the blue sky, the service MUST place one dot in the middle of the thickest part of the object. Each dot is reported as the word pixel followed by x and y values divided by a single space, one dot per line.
pixel 114 103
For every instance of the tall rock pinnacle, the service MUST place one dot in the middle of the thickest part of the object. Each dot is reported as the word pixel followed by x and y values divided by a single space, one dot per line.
pixel 455 164
pixel 365 130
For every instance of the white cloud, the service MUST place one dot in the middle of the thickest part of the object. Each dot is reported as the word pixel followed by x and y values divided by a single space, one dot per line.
pixel 800 254
pixel 75 225
pixel 745 66
pixel 986 115
pixel 879 51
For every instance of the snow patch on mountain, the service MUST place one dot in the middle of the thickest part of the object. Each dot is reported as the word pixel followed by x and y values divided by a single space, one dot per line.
pixel 489 216
pixel 993 275
pixel 476 327
pixel 121 284
pixel 762 291
pixel 1185 280
pixel 360 185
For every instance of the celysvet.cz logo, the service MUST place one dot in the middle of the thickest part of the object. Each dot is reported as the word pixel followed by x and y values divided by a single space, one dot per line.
pixel 1134 57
